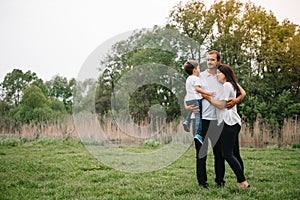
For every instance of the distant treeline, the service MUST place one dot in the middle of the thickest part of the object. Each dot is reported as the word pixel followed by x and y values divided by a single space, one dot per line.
pixel 263 52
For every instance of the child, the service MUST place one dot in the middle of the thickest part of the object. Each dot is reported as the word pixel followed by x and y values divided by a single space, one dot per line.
pixel 194 97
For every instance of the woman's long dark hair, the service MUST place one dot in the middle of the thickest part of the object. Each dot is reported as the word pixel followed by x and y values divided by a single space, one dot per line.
pixel 230 77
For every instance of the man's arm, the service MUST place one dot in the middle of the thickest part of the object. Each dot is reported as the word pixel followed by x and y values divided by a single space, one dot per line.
pixel 194 109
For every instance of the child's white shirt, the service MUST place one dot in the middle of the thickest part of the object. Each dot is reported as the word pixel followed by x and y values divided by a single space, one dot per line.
pixel 191 82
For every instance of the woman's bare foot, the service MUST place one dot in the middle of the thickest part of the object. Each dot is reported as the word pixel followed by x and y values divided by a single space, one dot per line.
pixel 244 184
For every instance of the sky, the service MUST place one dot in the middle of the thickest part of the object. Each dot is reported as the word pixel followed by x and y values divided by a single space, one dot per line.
pixel 55 37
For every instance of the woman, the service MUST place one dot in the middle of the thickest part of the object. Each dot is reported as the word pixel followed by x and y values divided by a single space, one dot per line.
pixel 231 121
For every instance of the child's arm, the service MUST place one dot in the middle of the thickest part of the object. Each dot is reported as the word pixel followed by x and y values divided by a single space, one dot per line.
pixel 203 92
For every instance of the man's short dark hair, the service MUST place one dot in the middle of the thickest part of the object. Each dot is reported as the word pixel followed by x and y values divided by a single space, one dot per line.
pixel 217 53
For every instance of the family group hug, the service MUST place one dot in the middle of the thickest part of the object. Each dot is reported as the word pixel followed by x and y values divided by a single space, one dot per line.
pixel 211 99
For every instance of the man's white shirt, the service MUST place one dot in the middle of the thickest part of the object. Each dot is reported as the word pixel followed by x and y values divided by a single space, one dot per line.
pixel 210 83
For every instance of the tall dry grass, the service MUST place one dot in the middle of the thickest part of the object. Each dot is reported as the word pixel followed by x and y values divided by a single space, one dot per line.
pixel 260 135
pixel 263 134
pixel 63 127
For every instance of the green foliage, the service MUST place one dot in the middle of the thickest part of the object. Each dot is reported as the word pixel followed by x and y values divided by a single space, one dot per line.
pixel 15 83
pixel 151 143
pixel 62 89
pixel 193 19
pixel 4 110
pixel 56 105
pixel 228 37
pixel 296 146
pixel 130 63
pixel 84 96
pixel 292 67
pixel 25 99
pixel 40 84
pixel 262 51
pixel 12 141
pixel 144 56
pixel 33 107
pixel 284 100
pixel 25 114
pixel 33 97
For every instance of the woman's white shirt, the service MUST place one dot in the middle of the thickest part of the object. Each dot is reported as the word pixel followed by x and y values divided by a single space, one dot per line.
pixel 229 116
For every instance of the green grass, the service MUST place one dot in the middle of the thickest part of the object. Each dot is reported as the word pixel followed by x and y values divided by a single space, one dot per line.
pixel 64 169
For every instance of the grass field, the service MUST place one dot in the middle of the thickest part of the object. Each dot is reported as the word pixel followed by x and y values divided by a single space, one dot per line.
pixel 64 169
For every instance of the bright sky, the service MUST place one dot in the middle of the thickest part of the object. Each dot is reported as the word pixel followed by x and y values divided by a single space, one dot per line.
pixel 55 37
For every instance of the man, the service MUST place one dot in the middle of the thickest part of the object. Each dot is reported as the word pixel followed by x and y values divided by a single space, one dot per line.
pixel 209 123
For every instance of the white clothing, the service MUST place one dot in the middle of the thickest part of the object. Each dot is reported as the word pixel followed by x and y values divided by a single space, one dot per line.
pixel 191 82
pixel 229 116
pixel 210 83
pixel 193 115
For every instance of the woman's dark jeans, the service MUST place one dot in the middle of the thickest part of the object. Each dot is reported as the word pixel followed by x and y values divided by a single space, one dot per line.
pixel 230 150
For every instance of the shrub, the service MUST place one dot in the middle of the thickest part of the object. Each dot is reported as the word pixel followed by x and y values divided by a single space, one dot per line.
pixel 151 143
pixel 296 145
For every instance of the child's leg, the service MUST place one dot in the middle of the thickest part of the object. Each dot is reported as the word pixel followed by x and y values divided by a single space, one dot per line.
pixel 198 123
pixel 186 122
pixel 188 118
pixel 198 118
pixel 199 130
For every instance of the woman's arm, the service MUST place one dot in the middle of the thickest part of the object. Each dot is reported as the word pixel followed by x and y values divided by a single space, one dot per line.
pixel 201 91
pixel 219 104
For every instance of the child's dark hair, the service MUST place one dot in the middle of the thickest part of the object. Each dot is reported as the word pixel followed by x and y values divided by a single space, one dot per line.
pixel 230 77
pixel 189 66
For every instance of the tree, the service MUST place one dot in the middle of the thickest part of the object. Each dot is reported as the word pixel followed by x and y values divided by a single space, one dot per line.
pixel 57 105
pixel 34 97
pixel 194 21
pixel 4 111
pixel 33 107
pixel 292 67
pixel 261 50
pixel 62 89
pixel 15 83
pixel 141 54
pixel 84 96
pixel 228 37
